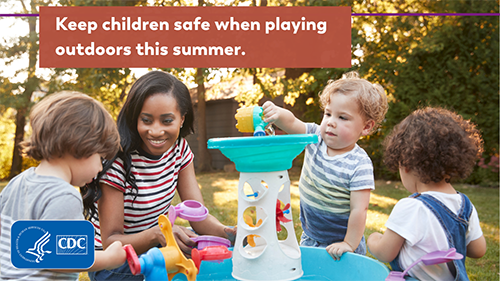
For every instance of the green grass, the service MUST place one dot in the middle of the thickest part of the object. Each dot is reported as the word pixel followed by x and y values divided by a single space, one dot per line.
pixel 220 194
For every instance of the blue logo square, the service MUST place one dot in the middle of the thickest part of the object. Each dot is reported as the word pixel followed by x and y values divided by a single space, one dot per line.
pixel 52 244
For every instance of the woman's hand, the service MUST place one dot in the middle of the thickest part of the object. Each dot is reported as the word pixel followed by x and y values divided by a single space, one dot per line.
pixel 231 233
pixel 183 238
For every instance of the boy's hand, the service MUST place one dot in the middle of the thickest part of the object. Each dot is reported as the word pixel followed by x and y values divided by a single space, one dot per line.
pixel 116 255
pixel 270 112
pixel 337 249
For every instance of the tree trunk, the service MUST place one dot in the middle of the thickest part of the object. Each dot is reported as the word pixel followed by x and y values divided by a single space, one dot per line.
pixel 204 158
pixel 24 103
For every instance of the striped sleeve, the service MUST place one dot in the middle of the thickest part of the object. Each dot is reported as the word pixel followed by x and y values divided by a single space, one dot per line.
pixel 362 177
pixel 115 176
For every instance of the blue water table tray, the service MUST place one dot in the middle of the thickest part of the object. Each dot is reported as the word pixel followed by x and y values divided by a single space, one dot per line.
pixel 317 264
pixel 262 154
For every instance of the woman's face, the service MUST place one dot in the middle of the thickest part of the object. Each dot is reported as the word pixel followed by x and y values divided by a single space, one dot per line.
pixel 159 123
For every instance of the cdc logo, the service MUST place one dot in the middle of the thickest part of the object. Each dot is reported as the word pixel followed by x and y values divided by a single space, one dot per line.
pixel 52 244
pixel 71 245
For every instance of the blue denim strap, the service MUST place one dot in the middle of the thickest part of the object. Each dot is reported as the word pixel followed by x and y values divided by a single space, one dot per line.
pixel 454 225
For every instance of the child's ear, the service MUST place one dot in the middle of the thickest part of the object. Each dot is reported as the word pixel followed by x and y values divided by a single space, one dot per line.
pixel 368 127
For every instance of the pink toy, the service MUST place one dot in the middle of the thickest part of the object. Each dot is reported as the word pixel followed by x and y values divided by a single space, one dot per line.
pixel 190 210
pixel 429 259
pixel 210 253
pixel 280 214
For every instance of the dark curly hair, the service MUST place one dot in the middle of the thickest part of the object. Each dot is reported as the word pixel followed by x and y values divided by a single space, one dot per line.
pixel 435 143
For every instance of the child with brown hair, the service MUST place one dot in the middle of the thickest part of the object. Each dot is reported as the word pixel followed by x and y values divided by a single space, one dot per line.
pixel 71 134
pixel 337 175
pixel 429 148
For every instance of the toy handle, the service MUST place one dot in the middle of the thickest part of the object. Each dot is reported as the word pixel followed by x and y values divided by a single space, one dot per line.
pixel 428 259
pixel 210 253
pixel 190 210
pixel 133 260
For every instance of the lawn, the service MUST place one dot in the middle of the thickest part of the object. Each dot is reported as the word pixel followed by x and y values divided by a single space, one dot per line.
pixel 221 198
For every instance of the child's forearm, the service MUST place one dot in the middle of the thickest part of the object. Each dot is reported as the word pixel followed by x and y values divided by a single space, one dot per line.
pixel 283 118
pixel 289 123
pixel 113 257
pixel 142 241
pixel 355 228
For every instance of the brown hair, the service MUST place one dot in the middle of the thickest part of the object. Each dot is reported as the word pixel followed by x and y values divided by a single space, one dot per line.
pixel 435 143
pixel 371 98
pixel 71 122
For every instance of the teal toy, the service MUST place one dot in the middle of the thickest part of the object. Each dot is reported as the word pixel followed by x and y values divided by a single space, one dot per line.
pixel 262 154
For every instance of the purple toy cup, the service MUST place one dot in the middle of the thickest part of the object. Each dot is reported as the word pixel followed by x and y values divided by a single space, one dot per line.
pixel 207 240
pixel 190 210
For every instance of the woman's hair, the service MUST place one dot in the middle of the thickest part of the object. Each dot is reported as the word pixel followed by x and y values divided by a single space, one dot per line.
pixel 152 83
pixel 70 123
pixel 434 143
pixel 371 98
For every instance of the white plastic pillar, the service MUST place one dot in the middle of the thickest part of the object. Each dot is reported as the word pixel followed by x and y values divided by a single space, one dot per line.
pixel 271 258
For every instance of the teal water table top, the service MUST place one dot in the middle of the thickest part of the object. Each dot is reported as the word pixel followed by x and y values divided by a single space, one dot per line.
pixel 262 154
pixel 317 265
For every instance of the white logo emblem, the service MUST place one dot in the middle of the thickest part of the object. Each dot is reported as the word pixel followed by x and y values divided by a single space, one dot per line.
pixel 38 250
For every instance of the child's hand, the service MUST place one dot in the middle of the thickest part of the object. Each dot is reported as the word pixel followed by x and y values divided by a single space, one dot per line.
pixel 270 112
pixel 115 255
pixel 337 249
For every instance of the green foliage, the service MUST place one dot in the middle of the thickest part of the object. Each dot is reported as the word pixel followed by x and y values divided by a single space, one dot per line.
pixel 107 85
pixel 450 62
pixel 7 128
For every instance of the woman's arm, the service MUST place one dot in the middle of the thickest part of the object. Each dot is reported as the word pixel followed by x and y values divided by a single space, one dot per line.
pixel 110 207
pixel 356 225
pixel 188 189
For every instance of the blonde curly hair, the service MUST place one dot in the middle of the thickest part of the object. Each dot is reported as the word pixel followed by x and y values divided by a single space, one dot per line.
pixel 371 98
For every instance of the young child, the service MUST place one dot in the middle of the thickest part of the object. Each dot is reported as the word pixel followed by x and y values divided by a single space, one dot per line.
pixel 429 148
pixel 71 133
pixel 337 175
pixel 154 163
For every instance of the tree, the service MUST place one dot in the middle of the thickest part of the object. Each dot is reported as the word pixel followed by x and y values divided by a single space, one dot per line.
pixel 22 102
pixel 442 61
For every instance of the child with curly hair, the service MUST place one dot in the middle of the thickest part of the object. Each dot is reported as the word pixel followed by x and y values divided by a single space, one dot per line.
pixel 337 175
pixel 429 148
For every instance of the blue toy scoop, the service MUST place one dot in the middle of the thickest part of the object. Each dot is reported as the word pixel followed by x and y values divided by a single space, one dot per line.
pixel 429 259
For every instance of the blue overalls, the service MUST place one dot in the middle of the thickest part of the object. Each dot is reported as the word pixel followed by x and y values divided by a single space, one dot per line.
pixel 455 227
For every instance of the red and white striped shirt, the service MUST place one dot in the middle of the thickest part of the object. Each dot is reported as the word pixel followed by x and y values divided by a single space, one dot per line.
pixel 156 178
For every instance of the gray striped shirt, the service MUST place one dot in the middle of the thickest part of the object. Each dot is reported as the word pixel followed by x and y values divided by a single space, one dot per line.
pixel 325 188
